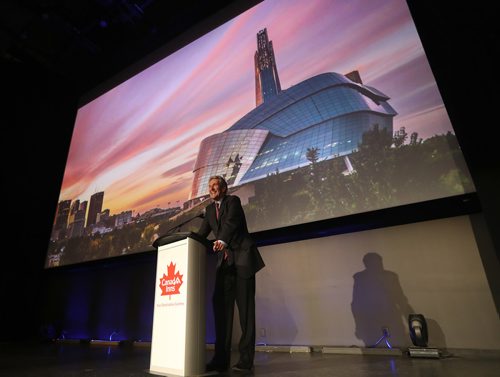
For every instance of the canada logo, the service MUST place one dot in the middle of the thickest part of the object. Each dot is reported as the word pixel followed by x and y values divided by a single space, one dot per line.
pixel 171 282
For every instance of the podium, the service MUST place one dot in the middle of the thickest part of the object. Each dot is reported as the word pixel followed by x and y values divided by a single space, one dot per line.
pixel 178 339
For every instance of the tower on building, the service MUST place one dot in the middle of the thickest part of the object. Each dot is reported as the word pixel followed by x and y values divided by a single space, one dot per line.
pixel 267 81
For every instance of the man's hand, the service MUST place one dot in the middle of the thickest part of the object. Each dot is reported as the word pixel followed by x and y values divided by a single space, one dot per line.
pixel 221 246
pixel 218 246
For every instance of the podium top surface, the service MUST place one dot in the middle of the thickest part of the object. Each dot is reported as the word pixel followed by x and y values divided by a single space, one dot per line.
pixel 174 237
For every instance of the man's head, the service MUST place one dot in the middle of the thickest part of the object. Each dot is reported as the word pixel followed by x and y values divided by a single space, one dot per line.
pixel 217 187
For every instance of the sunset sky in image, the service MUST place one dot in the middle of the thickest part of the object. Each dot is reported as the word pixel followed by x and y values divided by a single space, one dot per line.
pixel 139 141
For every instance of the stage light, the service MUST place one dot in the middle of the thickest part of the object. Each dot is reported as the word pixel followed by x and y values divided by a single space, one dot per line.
pixel 385 337
pixel 418 330
pixel 111 335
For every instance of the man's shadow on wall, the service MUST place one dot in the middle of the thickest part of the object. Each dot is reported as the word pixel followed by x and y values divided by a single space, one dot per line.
pixel 378 301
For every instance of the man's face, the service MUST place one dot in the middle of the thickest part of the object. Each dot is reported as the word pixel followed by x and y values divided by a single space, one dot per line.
pixel 215 190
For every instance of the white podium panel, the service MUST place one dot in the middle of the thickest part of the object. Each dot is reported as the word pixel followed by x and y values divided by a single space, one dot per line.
pixel 178 340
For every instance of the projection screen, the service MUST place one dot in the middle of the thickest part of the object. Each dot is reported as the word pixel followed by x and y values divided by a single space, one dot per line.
pixel 311 110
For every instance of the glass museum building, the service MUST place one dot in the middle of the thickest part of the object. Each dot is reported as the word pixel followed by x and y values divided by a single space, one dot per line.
pixel 328 112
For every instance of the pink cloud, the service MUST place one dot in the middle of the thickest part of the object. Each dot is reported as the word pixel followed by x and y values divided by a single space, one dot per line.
pixel 181 169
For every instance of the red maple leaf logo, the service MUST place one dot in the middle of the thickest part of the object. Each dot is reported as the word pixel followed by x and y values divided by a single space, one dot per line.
pixel 171 282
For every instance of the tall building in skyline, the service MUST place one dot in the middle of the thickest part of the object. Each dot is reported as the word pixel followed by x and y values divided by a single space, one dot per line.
pixel 95 207
pixel 62 214
pixel 77 226
pixel 75 206
pixel 267 81
pixel 61 219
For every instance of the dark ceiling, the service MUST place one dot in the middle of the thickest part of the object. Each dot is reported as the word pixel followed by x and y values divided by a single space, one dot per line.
pixel 86 42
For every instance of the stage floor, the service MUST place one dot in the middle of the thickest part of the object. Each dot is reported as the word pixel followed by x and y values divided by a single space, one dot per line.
pixel 77 360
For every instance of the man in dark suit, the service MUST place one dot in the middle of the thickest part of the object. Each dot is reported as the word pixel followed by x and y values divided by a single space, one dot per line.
pixel 238 259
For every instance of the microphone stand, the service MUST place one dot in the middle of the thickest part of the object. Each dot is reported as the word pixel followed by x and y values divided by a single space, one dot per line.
pixel 178 226
pixel 170 235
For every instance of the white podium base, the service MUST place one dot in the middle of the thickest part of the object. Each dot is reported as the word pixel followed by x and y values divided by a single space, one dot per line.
pixel 178 339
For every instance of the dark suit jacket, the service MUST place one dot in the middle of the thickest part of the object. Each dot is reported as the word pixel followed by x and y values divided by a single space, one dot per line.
pixel 232 229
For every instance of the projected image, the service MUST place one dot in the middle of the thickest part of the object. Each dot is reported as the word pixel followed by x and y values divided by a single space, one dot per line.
pixel 310 110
